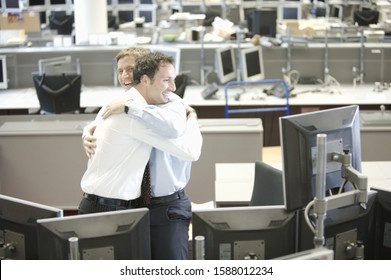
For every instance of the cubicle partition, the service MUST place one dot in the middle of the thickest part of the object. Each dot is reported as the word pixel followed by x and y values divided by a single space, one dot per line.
pixel 224 140
pixel 42 158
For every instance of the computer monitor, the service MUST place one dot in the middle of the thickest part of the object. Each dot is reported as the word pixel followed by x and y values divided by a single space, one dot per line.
pixel 298 135
pixel 225 64
pixel 57 2
pixel 349 231
pixel 253 232
pixel 115 235
pixel 18 226
pixel 262 22
pixel 36 2
pixel 12 4
pixel 252 64
pixel 170 51
pixel 383 226
pixel 125 16
pixel 291 12
pixel 3 72
pixel 148 15
pixel 125 1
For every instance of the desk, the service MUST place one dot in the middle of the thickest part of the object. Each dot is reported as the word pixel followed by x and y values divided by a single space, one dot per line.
pixel 95 97
pixel 26 98
pixel 234 181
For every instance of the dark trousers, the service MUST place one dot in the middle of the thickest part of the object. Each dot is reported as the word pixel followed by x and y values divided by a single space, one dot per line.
pixel 170 229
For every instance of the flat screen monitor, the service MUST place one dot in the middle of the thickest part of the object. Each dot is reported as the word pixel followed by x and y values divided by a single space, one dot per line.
pixel 57 2
pixel 148 15
pixel 125 1
pixel 291 12
pixel 262 22
pixel 125 16
pixel 237 233
pixel 383 229
pixel 115 235
pixel 3 72
pixel 18 226
pixel 349 231
pixel 252 64
pixel 147 2
pixel 170 51
pixel 12 4
pixel 36 2
pixel 225 64
pixel 298 135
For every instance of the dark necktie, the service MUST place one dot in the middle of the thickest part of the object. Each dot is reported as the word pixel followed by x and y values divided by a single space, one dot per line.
pixel 146 186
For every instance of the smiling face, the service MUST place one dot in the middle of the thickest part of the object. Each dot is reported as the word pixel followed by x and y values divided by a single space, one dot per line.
pixel 125 67
pixel 163 83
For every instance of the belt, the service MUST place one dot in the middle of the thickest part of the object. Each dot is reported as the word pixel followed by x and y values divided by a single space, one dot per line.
pixel 111 201
pixel 168 198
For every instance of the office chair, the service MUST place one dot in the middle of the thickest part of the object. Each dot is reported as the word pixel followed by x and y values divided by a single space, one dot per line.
pixel 181 84
pixel 58 93
pixel 61 22
pixel 268 186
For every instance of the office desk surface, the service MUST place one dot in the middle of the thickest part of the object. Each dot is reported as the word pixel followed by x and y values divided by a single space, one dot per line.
pixel 92 97
pixel 234 181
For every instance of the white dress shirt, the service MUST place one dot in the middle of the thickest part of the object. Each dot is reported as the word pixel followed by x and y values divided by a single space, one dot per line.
pixel 124 145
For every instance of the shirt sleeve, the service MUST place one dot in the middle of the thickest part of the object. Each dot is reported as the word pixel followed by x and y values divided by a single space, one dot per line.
pixel 92 124
pixel 186 147
pixel 169 119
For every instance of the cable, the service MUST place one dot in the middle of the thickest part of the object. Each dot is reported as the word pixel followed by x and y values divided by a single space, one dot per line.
pixel 306 216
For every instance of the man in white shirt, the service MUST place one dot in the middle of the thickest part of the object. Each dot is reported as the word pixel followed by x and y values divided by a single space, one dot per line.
pixel 170 209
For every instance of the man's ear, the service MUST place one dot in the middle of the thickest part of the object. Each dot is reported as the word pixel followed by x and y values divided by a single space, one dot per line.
pixel 145 79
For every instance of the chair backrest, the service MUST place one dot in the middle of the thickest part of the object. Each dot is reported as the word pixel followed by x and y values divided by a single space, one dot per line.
pixel 268 186
pixel 58 93
pixel 181 84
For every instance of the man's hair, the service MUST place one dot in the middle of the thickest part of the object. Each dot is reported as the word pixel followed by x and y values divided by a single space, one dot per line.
pixel 136 52
pixel 149 64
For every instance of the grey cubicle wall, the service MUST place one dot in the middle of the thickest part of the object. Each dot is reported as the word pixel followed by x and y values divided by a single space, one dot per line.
pixel 224 140
pixel 375 135
pixel 42 159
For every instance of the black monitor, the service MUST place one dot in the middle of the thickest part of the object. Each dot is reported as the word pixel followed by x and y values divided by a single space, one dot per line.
pixel 225 64
pixel 383 226
pixel 62 22
pixel 252 66
pixel 125 16
pixel 349 231
pixel 115 235
pixel 18 226
pixel 57 2
pixel 291 12
pixel 235 233
pixel 36 2
pixel 298 135
pixel 147 15
pixel 262 22
pixel 125 1
pixel 3 72
pixel 12 4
